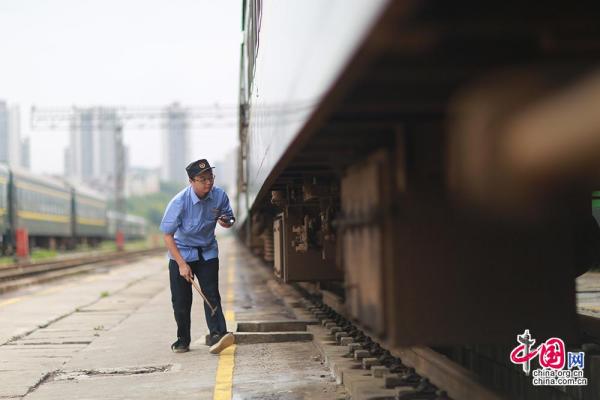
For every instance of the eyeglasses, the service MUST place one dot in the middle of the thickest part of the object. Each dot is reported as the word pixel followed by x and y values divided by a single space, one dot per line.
pixel 205 179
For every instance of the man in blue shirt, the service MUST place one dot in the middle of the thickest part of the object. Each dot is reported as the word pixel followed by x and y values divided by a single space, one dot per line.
pixel 189 227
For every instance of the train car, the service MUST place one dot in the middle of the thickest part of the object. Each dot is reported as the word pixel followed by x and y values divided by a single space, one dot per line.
pixel 402 156
pixel 134 227
pixel 90 224
pixel 42 205
pixel 5 242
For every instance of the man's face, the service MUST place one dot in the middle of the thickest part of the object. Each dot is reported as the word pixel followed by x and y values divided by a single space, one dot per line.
pixel 203 183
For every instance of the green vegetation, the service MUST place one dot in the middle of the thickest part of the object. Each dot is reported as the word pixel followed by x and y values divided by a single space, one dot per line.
pixel 104 294
pixel 110 245
pixel 596 199
pixel 42 254
pixel 36 255
pixel 6 260
pixel 152 206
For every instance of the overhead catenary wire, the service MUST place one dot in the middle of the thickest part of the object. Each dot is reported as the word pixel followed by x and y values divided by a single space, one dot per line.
pixel 156 117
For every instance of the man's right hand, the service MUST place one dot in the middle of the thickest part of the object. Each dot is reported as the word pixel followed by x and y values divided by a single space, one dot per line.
pixel 186 272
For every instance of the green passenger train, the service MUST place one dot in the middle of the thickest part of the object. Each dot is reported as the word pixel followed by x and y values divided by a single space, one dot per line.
pixel 55 213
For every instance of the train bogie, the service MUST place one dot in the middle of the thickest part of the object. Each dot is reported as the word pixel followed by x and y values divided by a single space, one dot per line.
pixel 299 251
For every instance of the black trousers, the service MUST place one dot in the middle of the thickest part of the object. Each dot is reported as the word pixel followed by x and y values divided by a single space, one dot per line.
pixel 207 273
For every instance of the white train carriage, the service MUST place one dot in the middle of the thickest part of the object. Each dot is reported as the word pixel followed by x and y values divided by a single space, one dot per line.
pixel 133 226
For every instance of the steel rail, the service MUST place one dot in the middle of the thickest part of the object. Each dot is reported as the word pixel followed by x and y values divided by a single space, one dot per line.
pixel 11 275
pixel 458 381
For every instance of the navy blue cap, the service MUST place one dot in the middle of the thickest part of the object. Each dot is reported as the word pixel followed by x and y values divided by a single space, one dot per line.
pixel 198 167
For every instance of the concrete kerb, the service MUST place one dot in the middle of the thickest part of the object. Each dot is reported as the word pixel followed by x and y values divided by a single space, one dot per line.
pixel 275 326
pixel 252 332
pixel 271 337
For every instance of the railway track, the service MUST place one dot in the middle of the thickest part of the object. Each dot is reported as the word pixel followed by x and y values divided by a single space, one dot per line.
pixel 15 276
pixel 436 373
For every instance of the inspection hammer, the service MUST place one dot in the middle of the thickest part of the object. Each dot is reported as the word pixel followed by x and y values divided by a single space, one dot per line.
pixel 212 309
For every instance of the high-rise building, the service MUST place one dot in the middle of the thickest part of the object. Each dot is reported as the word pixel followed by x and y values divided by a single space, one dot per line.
pixel 142 181
pixel 91 156
pixel 226 172
pixel 13 151
pixel 14 136
pixel 25 153
pixel 175 145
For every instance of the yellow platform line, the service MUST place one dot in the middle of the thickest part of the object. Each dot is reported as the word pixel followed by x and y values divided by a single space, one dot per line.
pixel 229 300
pixel 224 377
pixel 51 290
pixel 11 301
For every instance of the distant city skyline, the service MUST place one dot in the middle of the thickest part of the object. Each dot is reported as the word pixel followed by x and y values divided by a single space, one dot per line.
pixel 14 150
pixel 91 155
pixel 155 53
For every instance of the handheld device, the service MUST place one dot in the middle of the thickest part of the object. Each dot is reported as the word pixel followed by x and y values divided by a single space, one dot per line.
pixel 228 219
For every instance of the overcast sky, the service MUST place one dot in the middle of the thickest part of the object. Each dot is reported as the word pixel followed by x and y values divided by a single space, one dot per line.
pixel 126 52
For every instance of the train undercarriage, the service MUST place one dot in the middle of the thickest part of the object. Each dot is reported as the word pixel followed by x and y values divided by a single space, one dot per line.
pixel 437 192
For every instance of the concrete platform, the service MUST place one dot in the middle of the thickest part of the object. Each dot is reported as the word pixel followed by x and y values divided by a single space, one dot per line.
pixel 107 335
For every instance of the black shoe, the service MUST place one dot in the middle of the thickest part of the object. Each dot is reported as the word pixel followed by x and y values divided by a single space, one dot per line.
pixel 212 339
pixel 180 347
pixel 224 341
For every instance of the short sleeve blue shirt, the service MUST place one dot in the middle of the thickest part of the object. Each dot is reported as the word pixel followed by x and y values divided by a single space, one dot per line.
pixel 193 221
